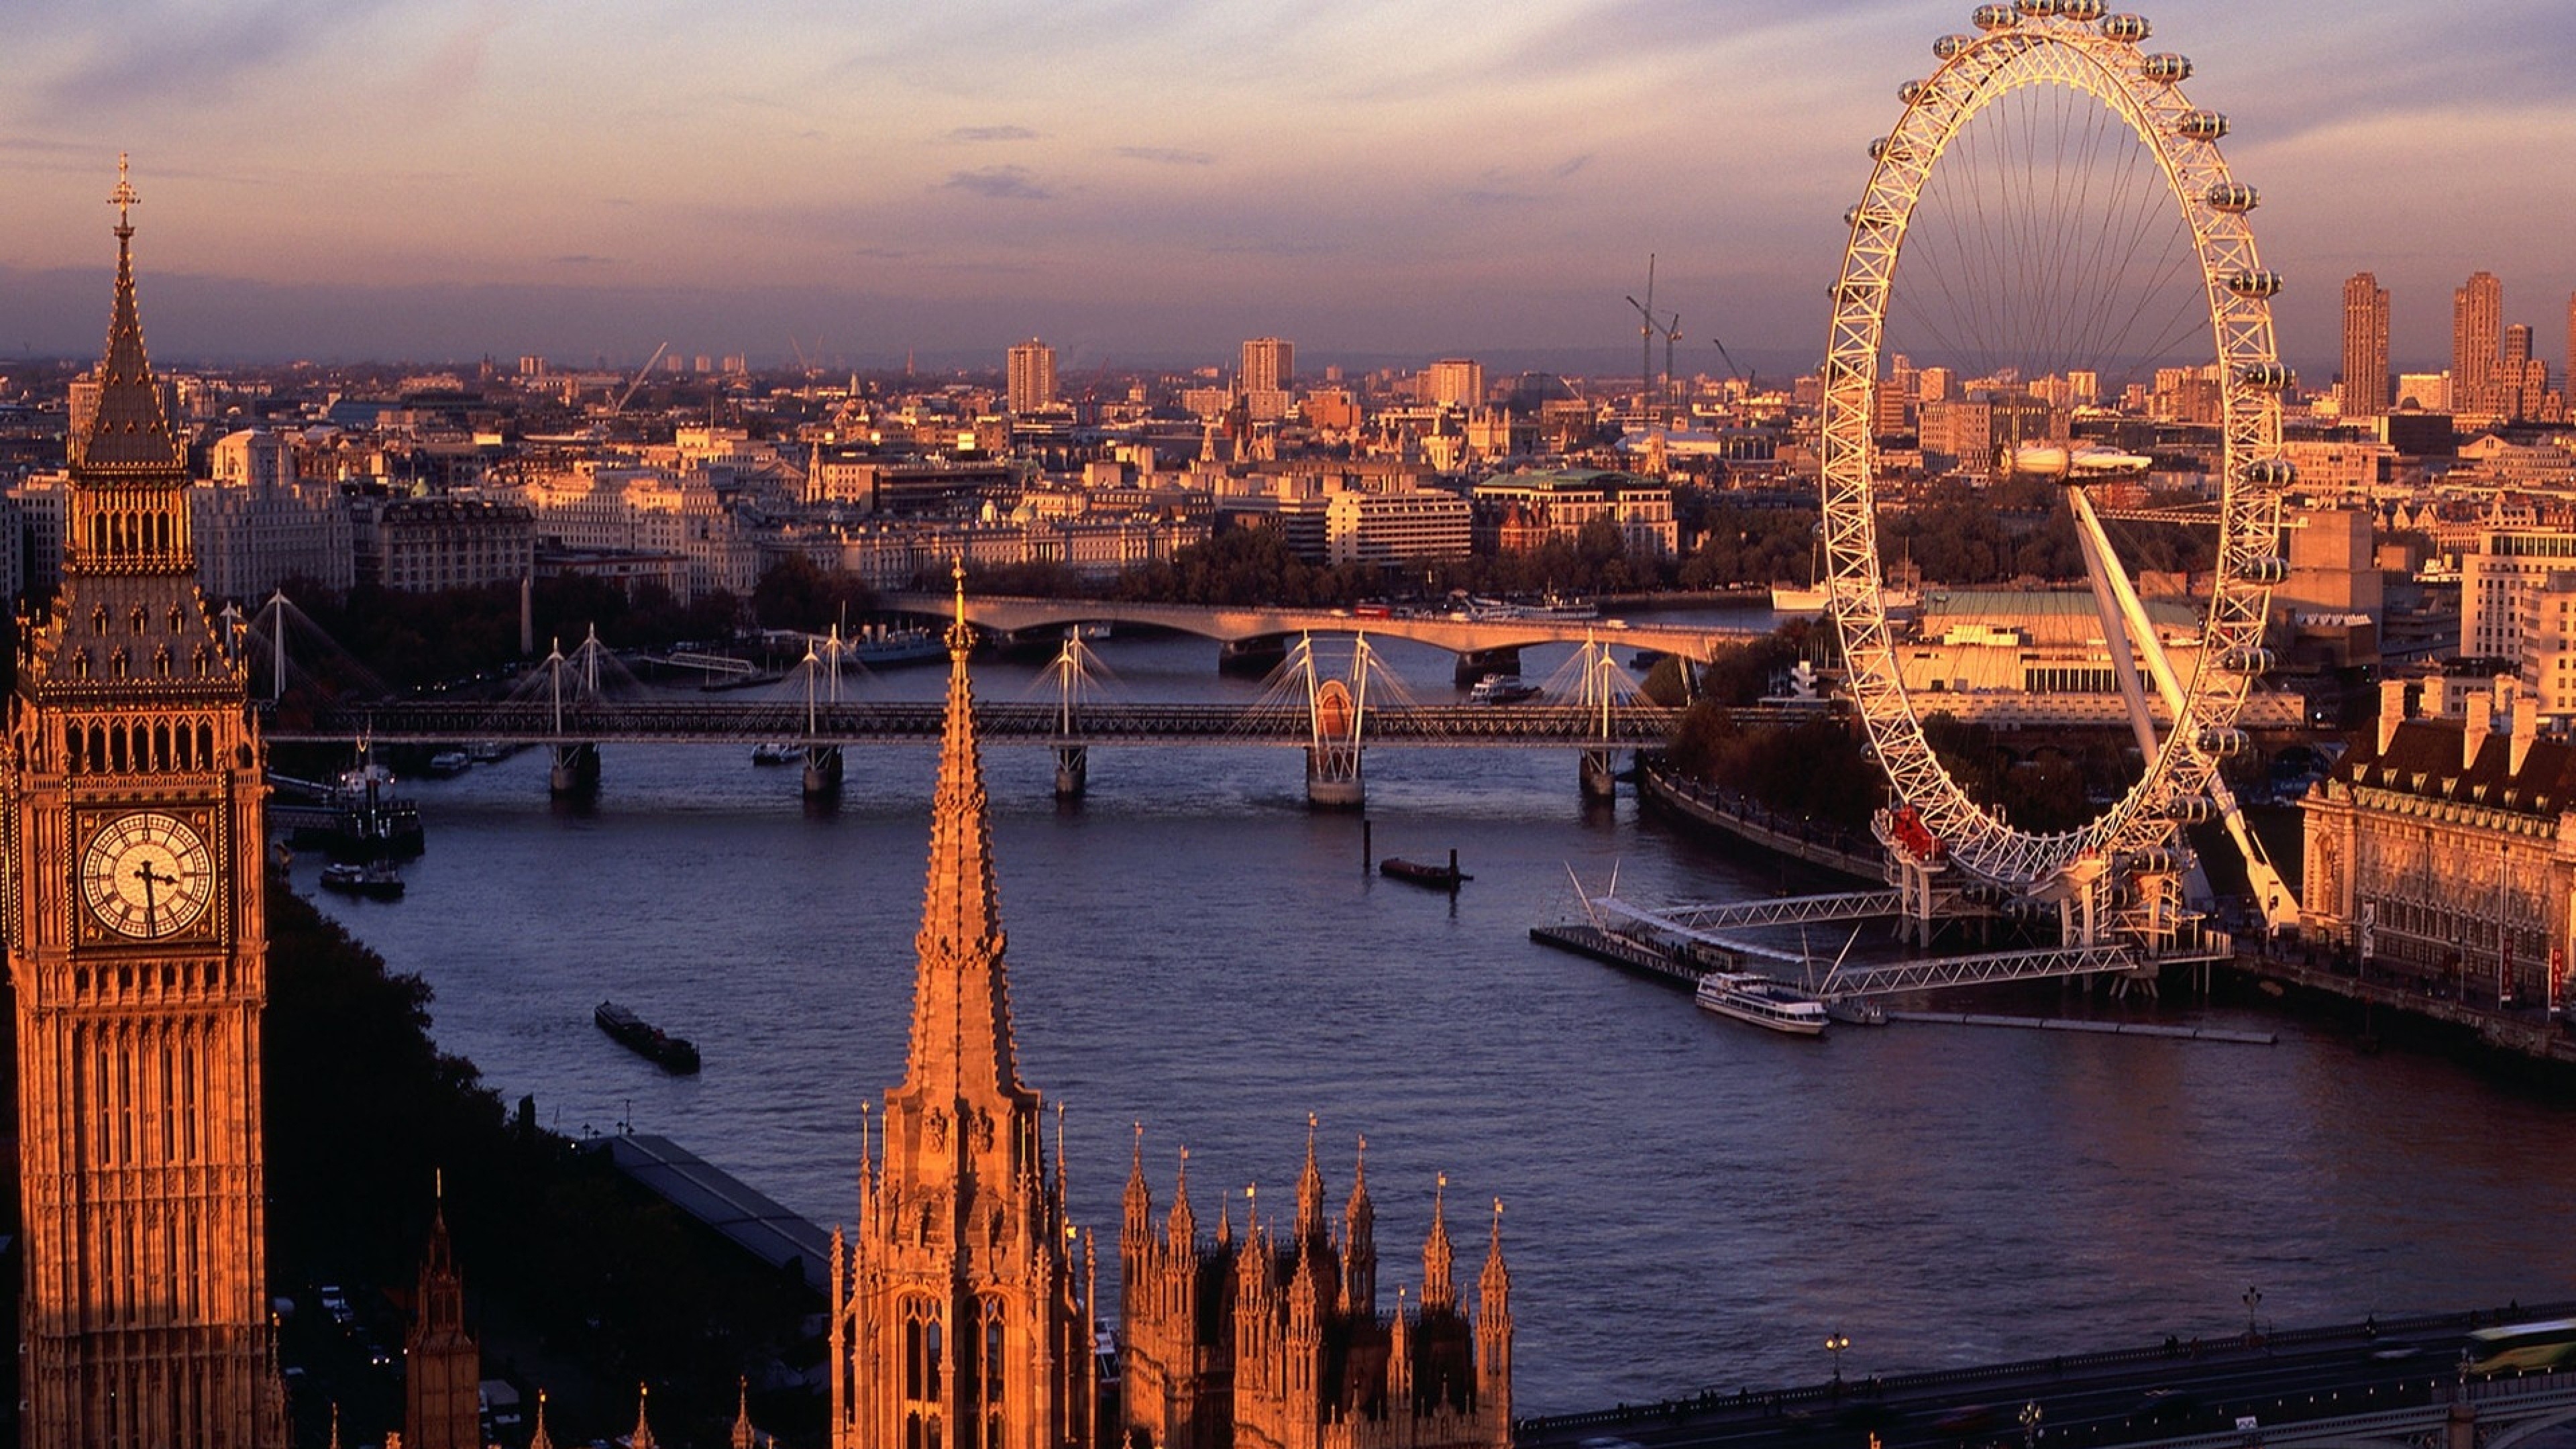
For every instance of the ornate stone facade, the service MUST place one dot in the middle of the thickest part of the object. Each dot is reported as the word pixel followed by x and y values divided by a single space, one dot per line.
pixel 442 1366
pixel 132 815
pixel 2444 851
pixel 1275 1341
pixel 958 1320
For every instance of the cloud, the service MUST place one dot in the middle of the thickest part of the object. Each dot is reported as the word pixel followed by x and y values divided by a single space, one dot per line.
pixel 168 51
pixel 977 135
pixel 1564 169
pixel 998 183
pixel 1166 156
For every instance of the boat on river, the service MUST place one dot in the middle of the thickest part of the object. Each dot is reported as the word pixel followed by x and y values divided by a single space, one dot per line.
pixel 1754 997
pixel 1502 689
pixel 674 1054
pixel 377 879
pixel 1421 873
pixel 777 752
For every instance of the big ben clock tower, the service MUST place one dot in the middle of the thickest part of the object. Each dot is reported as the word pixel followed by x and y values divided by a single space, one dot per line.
pixel 130 810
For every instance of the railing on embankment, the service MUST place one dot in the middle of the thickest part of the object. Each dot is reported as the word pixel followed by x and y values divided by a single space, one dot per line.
pixel 1542 1431
pixel 2532 1035
pixel 1756 824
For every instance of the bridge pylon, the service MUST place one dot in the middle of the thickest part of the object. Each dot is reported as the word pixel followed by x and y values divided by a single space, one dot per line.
pixel 1072 758
pixel 822 687
pixel 571 682
pixel 1334 710
pixel 1600 695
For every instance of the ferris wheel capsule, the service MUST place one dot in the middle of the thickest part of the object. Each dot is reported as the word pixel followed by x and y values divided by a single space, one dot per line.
pixel 1906 93
pixel 2082 12
pixel 2267 571
pixel 2225 742
pixel 1886 146
pixel 2201 126
pixel 1949 46
pixel 2038 9
pixel 2232 197
pixel 2266 376
pixel 2259 285
pixel 2191 810
pixel 2271 473
pixel 2246 661
pixel 2166 68
pixel 2127 28
pixel 1993 17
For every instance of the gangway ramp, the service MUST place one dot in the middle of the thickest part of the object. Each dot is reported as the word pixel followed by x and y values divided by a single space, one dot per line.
pixel 1995 967
pixel 1657 922
pixel 1779 911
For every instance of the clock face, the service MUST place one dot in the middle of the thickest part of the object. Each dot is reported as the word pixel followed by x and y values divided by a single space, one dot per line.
pixel 146 875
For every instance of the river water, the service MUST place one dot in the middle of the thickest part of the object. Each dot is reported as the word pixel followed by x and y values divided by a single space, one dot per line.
pixel 1689 1202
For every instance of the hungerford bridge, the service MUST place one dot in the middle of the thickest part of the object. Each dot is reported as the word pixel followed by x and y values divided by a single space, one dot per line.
pixel 574 703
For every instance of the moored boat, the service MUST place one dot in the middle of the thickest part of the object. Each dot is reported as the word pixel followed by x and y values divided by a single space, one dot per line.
pixel 775 752
pixel 675 1054
pixel 377 879
pixel 1502 689
pixel 1438 877
pixel 1752 997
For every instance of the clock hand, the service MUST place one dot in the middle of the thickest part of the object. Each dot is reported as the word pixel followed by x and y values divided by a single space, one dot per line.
pixel 151 902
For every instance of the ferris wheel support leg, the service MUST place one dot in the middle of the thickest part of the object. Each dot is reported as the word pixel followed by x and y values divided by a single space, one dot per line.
pixel 2273 897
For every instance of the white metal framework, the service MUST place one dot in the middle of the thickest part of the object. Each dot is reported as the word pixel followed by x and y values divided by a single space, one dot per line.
pixel 2069 44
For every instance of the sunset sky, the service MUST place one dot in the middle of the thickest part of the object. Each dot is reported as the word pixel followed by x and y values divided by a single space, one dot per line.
pixel 1138 181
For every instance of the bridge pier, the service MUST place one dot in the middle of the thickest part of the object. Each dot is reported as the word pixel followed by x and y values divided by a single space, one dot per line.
pixel 1255 656
pixel 822 771
pixel 1600 775
pixel 575 770
pixel 1475 664
pixel 1072 771
pixel 1333 778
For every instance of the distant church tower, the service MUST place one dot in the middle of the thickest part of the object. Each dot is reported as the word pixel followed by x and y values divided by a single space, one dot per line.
pixel 442 1367
pixel 958 1321
pixel 130 824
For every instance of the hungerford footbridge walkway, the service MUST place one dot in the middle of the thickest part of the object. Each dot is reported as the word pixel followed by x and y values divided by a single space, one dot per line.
pixel 1471 638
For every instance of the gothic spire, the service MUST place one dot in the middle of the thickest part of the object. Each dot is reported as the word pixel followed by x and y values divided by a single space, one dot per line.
pixel 961 1010
pixel 744 1435
pixel 642 1438
pixel 1310 1192
pixel 1439 1291
pixel 129 431
pixel 540 1439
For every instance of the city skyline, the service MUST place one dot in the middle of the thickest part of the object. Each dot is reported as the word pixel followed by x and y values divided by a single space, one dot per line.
pixel 447 180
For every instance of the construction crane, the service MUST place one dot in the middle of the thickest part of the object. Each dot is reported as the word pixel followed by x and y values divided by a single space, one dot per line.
pixel 1646 330
pixel 646 371
pixel 1747 378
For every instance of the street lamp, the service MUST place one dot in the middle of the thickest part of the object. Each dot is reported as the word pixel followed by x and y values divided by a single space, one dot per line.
pixel 1835 1343
pixel 2253 1300
pixel 2030 1416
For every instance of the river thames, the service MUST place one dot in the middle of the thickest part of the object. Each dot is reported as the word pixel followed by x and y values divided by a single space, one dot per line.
pixel 1690 1202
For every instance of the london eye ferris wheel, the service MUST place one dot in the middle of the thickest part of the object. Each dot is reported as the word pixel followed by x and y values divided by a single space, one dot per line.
pixel 2051 216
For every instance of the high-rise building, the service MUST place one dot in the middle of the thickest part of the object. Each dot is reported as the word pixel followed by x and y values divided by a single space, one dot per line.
pixel 132 834
pixel 960 1316
pixel 1268 364
pixel 2477 341
pixel 2365 347
pixel 1031 377
pixel 1454 382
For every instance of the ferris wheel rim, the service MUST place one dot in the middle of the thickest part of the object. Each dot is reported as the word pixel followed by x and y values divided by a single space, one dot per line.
pixel 2035 43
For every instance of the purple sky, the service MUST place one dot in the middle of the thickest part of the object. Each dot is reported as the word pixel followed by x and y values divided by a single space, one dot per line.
pixel 1138 179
